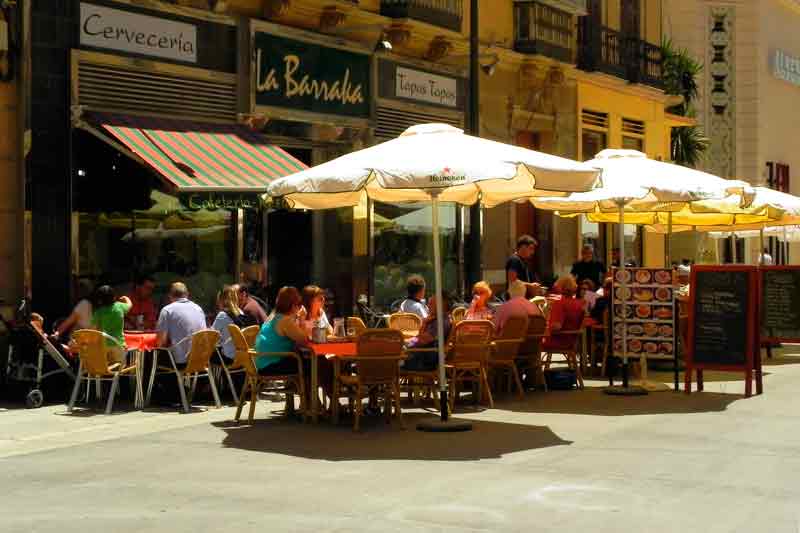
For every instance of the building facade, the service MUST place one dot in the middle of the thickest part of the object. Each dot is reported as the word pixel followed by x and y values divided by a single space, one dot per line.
pixel 748 89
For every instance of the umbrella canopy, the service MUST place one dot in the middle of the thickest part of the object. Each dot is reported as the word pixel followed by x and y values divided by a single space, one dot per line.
pixel 782 233
pixel 434 158
pixel 644 185
pixel 436 163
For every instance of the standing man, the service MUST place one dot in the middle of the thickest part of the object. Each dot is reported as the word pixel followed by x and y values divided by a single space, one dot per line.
pixel 517 268
pixel 588 268
pixel 250 306
pixel 142 315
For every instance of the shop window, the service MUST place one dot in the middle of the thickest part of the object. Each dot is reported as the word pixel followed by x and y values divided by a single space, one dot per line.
pixel 403 246
pixel 633 143
pixel 593 142
pixel 633 132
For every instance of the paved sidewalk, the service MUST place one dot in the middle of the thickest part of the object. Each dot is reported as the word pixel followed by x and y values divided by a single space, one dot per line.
pixel 562 461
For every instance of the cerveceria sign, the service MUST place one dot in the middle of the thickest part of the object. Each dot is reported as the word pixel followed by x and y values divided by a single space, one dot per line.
pixel 104 27
pixel 310 77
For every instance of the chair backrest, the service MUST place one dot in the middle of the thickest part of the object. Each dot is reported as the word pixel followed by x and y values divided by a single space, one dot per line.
pixel 242 348
pixel 251 334
pixel 471 342
pixel 204 343
pixel 511 338
pixel 356 324
pixel 405 322
pixel 380 349
pixel 537 325
pixel 458 314
pixel 92 350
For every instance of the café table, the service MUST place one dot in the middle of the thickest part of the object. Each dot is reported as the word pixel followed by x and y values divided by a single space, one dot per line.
pixel 139 342
pixel 316 350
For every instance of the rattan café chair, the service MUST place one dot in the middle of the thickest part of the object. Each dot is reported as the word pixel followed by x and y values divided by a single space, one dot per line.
pixel 468 356
pixel 94 364
pixel 505 350
pixel 237 366
pixel 406 323
pixel 376 372
pixel 288 384
pixel 355 324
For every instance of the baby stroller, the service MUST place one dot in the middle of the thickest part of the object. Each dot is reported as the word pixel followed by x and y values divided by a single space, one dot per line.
pixel 32 358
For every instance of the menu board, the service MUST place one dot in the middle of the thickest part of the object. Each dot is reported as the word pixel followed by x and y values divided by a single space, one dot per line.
pixel 780 304
pixel 647 301
pixel 722 316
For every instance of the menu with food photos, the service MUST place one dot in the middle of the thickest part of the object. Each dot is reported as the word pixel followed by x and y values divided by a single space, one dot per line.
pixel 647 301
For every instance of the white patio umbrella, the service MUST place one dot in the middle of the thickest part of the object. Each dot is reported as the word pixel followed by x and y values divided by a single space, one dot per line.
pixel 634 183
pixel 436 163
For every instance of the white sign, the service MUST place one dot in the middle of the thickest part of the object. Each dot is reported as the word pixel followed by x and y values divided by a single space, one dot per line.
pixel 103 27
pixel 786 67
pixel 426 87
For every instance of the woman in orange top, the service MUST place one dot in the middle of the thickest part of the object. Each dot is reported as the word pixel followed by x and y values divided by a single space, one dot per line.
pixel 566 314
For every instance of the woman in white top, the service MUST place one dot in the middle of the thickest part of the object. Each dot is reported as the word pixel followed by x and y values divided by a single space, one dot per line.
pixel 229 313
pixel 313 309
pixel 81 316
pixel 415 303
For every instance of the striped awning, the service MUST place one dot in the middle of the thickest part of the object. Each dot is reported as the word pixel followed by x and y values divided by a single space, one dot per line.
pixel 199 157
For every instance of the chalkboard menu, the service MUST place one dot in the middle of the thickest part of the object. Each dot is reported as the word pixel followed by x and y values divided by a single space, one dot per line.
pixel 780 304
pixel 723 315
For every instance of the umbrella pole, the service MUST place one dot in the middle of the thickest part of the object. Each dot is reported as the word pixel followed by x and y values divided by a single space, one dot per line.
pixel 443 424
pixel 669 240
pixel 761 246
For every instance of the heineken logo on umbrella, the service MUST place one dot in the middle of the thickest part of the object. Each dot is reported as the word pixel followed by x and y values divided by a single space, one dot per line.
pixel 446 176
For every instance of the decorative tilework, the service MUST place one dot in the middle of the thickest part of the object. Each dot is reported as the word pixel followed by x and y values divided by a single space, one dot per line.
pixel 721 91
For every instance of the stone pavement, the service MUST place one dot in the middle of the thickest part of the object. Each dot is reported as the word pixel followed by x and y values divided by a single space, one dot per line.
pixel 561 461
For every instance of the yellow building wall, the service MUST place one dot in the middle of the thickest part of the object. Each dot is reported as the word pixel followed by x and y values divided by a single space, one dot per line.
pixel 651 21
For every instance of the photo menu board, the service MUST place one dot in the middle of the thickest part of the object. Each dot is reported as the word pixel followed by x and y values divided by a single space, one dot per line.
pixel 780 303
pixel 648 302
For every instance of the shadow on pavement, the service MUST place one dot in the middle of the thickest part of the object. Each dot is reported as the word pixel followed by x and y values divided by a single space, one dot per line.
pixel 592 401
pixel 378 441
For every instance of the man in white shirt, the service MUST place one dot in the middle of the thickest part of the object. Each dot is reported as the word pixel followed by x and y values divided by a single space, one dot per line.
pixel 415 302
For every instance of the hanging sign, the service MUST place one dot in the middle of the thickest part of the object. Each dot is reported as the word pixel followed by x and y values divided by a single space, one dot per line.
pixel 104 27
pixel 400 82
pixel 310 77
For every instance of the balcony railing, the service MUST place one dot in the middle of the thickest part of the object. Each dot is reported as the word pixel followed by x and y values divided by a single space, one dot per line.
pixel 443 13
pixel 542 29
pixel 606 50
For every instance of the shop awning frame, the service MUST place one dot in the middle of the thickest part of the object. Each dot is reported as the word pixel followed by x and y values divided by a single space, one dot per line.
pixel 193 157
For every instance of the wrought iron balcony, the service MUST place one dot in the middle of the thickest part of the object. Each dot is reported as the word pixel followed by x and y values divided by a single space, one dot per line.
pixel 606 50
pixel 443 13
pixel 542 29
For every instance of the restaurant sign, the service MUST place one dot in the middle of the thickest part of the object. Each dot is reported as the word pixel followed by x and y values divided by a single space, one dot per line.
pixel 108 28
pixel 420 86
pixel 786 67
pixel 220 200
pixel 310 77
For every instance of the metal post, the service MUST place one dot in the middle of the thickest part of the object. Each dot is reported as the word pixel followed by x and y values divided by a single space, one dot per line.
pixel 437 269
pixel 475 234
pixel 624 285
pixel 668 243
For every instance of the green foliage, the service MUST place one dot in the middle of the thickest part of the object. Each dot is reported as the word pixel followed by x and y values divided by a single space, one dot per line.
pixel 680 71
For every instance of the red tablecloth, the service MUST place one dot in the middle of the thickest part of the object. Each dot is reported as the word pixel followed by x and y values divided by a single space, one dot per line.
pixel 141 340
pixel 341 349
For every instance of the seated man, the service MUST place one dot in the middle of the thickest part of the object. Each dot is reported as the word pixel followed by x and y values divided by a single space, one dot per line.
pixel 178 320
pixel 251 308
pixel 415 302
pixel 427 338
pixel 517 305
pixel 143 311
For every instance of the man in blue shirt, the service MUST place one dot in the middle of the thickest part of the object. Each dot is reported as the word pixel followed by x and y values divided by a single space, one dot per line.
pixel 178 320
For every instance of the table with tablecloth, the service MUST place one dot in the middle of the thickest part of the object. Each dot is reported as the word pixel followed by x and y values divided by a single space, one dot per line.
pixel 139 343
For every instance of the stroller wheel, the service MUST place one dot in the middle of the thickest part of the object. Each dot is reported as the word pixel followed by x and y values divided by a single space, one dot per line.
pixel 34 399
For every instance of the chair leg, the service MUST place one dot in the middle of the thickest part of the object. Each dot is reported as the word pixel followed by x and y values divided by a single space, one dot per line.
pixel 112 393
pixel 485 379
pixel 398 410
pixel 242 398
pixel 230 383
pixel 357 414
pixel 517 380
pixel 388 395
pixel 74 396
pixel 254 390
pixel 152 379
pixel 212 380
pixel 182 392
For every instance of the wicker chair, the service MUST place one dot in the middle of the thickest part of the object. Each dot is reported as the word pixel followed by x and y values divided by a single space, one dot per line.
pixel 570 354
pixel 198 362
pixel 406 323
pixel 506 349
pixel 355 324
pixel 529 357
pixel 376 372
pixel 94 365
pixel 256 383
pixel 468 357
pixel 251 334
pixel 458 314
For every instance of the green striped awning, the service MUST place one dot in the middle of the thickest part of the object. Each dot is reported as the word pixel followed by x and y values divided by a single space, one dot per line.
pixel 200 157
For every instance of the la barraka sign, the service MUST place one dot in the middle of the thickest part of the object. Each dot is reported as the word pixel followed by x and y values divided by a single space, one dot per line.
pixel 310 77
pixel 115 29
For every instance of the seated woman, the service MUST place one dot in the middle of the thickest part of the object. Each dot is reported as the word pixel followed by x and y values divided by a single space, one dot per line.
pixel 566 314
pixel 601 303
pixel 313 310
pixel 229 313
pixel 81 316
pixel 109 317
pixel 280 333
pixel 427 337
pixel 587 293
pixel 479 308
pixel 415 302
